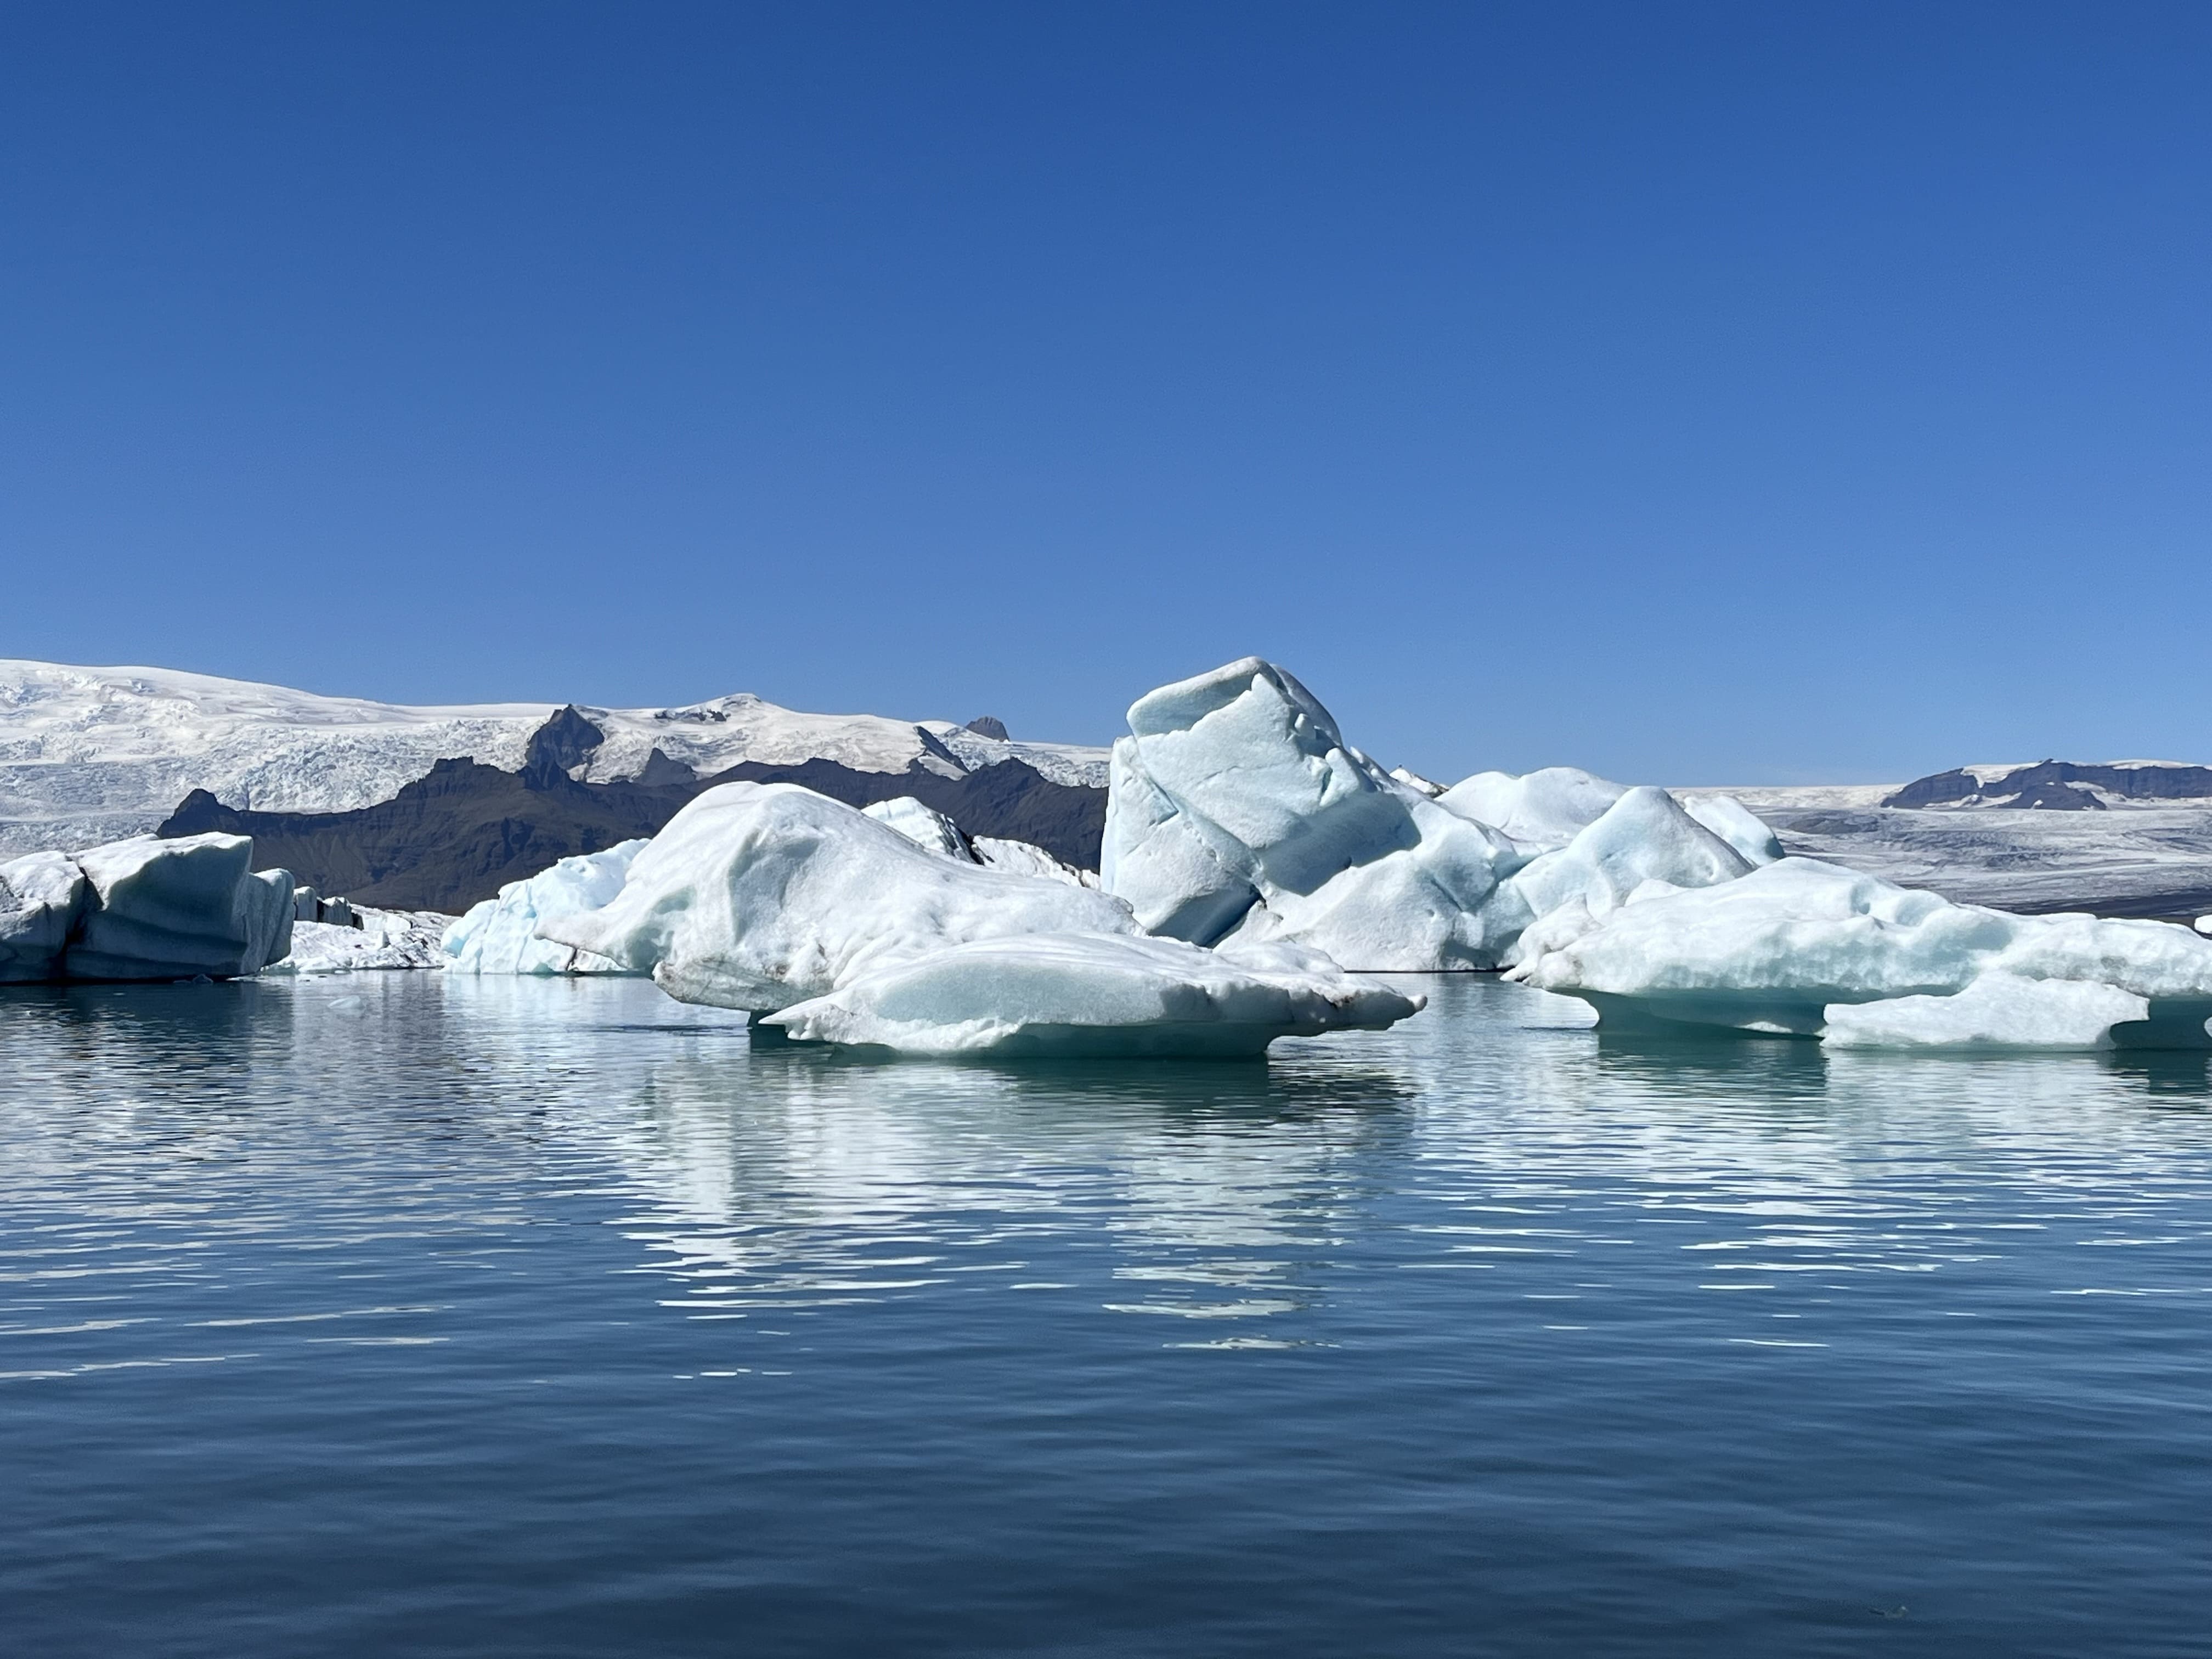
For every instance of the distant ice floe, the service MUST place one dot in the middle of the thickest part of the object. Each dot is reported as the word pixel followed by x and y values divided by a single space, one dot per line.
pixel 144 908
pixel 499 935
pixel 1803 948
pixel 832 924
pixel 375 939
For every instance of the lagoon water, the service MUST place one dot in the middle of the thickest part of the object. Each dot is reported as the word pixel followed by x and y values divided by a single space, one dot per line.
pixel 394 1314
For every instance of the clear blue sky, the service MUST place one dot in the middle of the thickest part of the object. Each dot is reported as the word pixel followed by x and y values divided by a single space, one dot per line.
pixel 1694 392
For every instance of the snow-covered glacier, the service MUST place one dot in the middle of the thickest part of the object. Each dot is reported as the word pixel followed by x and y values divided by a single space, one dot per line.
pixel 142 909
pixel 93 754
pixel 780 902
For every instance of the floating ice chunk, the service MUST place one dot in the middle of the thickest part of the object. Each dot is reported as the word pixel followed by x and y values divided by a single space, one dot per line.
pixel 1094 994
pixel 1237 811
pixel 924 826
pixel 42 896
pixel 1775 950
pixel 759 895
pixel 1022 858
pixel 1644 835
pixel 1736 825
pixel 383 939
pixel 1997 1010
pixel 174 909
pixel 499 935
pixel 1541 810
pixel 2204 925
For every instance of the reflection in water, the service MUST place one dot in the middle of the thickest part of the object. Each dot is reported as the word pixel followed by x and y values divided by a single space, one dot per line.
pixel 410 1292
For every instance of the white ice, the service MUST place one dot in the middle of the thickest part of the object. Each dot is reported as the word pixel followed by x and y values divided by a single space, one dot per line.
pixel 1643 835
pixel 1540 810
pixel 1237 811
pixel 144 908
pixel 1996 1011
pixel 759 895
pixel 1777 949
pixel 924 826
pixel 385 940
pixel 499 935
pixel 1095 994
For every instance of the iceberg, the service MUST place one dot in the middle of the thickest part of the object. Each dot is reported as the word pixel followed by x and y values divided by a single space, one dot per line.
pixel 377 939
pixel 1238 812
pixel 1794 947
pixel 1643 835
pixel 832 925
pixel 1023 858
pixel 759 895
pixel 1996 1011
pixel 144 908
pixel 42 896
pixel 928 828
pixel 499 935
pixel 924 826
pixel 1094 994
pixel 1541 810
pixel 1736 825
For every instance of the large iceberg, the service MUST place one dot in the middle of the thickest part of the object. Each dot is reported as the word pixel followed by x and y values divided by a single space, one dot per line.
pixel 833 925
pixel 1237 811
pixel 758 895
pixel 1540 810
pixel 144 908
pixel 1097 994
pixel 1238 814
pixel 499 935
pixel 1801 947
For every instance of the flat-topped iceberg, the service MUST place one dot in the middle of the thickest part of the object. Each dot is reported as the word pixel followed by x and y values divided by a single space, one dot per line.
pixel 499 935
pixel 144 908
pixel 1799 947
pixel 1097 994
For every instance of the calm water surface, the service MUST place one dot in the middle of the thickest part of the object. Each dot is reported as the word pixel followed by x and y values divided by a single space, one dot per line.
pixel 392 1315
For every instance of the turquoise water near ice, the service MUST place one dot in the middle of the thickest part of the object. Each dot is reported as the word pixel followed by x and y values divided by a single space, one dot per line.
pixel 390 1313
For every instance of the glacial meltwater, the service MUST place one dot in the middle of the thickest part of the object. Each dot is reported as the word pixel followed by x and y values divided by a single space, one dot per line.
pixel 397 1314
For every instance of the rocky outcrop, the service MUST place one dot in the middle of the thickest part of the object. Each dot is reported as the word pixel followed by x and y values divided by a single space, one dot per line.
pixel 2061 786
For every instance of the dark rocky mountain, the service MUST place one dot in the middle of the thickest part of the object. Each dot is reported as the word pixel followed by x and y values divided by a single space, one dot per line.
pixel 458 835
pixel 2062 786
